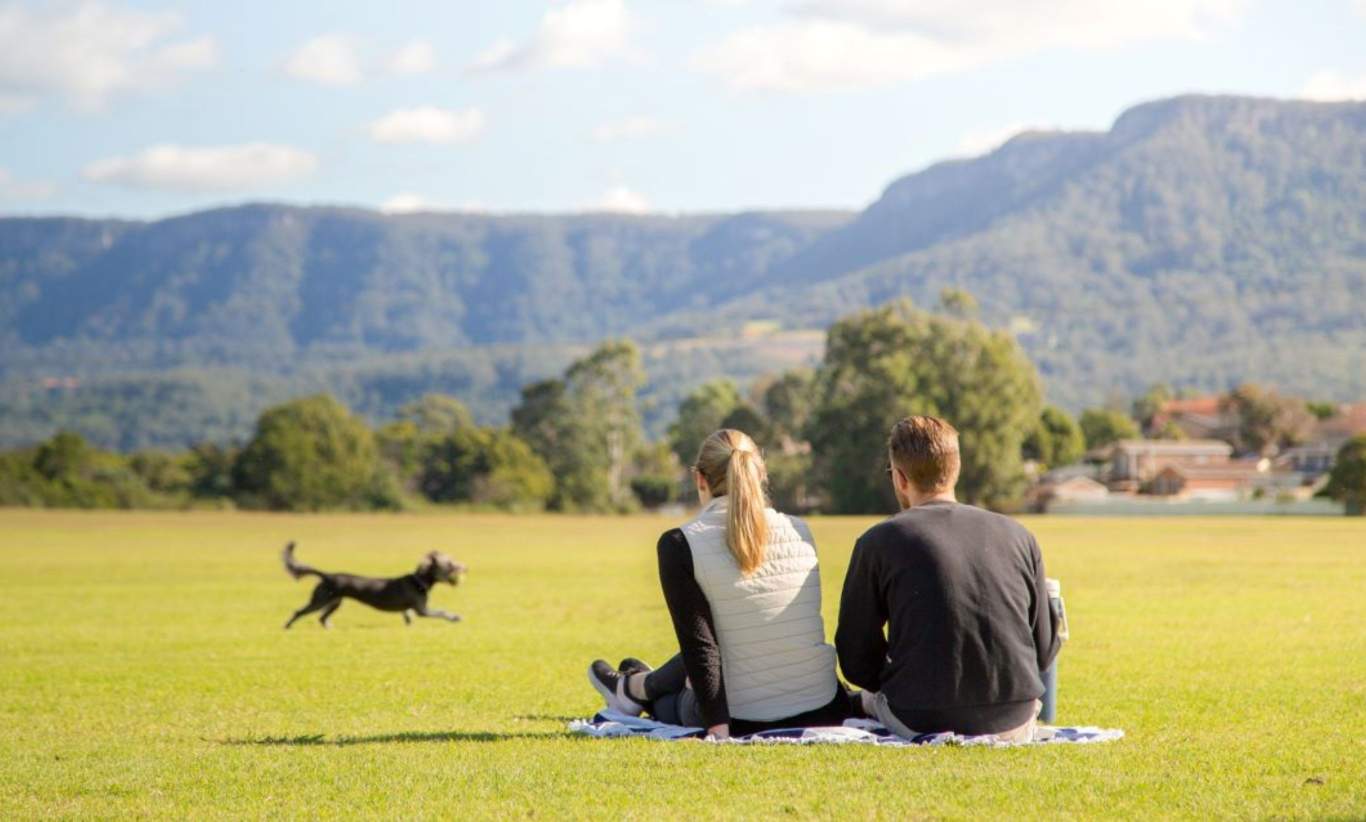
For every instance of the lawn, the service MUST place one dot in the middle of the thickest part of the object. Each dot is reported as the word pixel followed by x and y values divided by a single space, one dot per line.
pixel 144 672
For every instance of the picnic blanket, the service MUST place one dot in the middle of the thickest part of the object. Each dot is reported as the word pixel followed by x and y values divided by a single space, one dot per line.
pixel 611 724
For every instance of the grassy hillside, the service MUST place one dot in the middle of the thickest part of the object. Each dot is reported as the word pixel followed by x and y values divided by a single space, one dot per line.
pixel 146 674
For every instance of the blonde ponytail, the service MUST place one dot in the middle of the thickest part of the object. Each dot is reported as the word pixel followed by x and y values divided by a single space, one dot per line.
pixel 730 463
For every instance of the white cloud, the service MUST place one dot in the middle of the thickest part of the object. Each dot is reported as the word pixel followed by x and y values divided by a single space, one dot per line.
pixel 573 34
pixel 414 57
pixel 328 59
pixel 821 55
pixel 406 203
pixel 630 128
pixel 90 51
pixel 207 168
pixel 621 200
pixel 984 141
pixel 1332 85
pixel 848 44
pixel 12 189
pixel 1030 24
pixel 428 124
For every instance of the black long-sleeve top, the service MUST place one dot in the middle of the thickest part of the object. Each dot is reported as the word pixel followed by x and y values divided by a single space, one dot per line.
pixel 696 631
pixel 968 626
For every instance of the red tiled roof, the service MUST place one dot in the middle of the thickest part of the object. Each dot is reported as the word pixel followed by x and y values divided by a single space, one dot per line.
pixel 1175 446
pixel 1207 406
pixel 1349 420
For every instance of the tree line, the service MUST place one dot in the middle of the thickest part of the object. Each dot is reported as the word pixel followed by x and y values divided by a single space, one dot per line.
pixel 575 442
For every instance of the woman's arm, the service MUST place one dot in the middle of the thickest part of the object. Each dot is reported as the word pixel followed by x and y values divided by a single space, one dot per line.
pixel 691 614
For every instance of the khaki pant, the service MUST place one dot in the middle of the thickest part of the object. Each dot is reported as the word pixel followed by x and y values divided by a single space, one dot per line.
pixel 875 705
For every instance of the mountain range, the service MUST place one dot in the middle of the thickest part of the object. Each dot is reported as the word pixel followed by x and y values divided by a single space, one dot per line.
pixel 1200 241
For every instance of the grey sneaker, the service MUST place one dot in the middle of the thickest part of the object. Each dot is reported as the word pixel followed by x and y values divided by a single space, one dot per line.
pixel 609 682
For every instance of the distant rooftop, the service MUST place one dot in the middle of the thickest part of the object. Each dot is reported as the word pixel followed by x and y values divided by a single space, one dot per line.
pixel 1175 446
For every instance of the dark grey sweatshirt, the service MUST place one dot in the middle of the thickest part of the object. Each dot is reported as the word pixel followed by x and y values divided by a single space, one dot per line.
pixel 960 591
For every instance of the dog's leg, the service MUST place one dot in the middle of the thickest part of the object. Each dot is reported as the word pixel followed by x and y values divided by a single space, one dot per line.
pixel 328 612
pixel 302 612
pixel 322 595
pixel 407 618
pixel 437 613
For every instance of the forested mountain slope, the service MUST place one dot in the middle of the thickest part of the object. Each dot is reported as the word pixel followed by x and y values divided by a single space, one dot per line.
pixel 235 284
pixel 1201 241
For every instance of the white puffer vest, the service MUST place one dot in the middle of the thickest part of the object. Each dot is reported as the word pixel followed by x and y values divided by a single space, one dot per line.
pixel 774 657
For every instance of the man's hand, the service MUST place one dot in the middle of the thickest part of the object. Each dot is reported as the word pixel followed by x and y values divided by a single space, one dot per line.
pixel 721 731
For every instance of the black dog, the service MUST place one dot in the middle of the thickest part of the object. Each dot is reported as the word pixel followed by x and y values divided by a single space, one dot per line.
pixel 405 593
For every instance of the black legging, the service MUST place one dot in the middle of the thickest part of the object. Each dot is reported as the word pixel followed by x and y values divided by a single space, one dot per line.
pixel 670 698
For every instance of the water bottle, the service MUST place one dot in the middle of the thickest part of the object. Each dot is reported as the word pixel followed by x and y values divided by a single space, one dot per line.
pixel 1050 676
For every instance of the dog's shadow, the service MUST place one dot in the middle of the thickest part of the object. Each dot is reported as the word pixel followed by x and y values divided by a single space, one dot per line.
pixel 408 737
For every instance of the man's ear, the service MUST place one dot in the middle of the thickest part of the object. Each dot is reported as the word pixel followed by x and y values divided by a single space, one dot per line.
pixel 901 481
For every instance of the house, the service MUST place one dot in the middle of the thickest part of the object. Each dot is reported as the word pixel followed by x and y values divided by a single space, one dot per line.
pixel 1349 421
pixel 1073 488
pixel 1134 462
pixel 1314 458
pixel 1310 461
pixel 1196 417
pixel 1078 489
pixel 1232 480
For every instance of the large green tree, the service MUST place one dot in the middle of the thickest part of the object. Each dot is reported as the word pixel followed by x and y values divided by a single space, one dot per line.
pixel 311 454
pixel 1266 420
pixel 1056 440
pixel 1347 481
pixel 701 413
pixel 1103 426
pixel 884 364
pixel 786 402
pixel 1147 407
pixel 485 466
pixel 65 471
pixel 586 426
pixel 436 414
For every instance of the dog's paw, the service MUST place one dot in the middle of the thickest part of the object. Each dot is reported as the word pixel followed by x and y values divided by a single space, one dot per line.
pixel 454 617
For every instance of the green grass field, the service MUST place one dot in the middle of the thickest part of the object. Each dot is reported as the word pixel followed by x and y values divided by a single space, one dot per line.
pixel 144 673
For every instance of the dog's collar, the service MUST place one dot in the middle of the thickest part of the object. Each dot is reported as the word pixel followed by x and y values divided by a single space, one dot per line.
pixel 422 584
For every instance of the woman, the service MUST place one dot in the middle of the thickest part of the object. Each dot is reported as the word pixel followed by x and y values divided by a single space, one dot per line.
pixel 743 589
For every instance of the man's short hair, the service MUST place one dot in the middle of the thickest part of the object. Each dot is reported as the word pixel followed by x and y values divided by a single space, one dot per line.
pixel 925 449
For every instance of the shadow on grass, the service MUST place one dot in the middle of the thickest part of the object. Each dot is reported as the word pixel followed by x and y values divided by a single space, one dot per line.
pixel 316 740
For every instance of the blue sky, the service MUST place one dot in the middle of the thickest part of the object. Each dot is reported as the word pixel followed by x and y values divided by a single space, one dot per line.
pixel 144 109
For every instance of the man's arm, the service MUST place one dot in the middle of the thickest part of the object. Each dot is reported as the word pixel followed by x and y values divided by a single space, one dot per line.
pixel 691 614
pixel 859 639
pixel 1045 623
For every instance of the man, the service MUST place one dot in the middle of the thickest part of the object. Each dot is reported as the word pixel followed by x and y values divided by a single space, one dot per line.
pixel 961 593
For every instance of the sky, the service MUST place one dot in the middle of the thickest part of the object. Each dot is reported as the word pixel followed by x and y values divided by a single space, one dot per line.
pixel 148 109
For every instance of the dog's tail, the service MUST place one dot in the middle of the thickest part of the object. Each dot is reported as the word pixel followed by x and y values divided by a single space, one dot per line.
pixel 296 569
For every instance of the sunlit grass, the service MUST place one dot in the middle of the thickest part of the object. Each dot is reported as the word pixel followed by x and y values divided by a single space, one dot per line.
pixel 144 672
